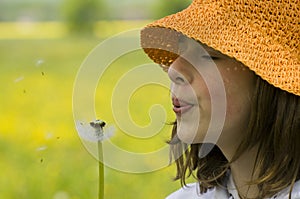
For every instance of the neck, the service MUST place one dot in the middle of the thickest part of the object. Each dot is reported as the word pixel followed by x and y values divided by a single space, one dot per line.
pixel 242 171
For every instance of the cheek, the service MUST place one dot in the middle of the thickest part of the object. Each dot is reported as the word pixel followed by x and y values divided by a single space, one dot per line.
pixel 239 83
pixel 239 88
pixel 237 108
pixel 237 119
pixel 238 80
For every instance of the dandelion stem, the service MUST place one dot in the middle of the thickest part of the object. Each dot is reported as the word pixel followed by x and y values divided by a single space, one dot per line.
pixel 101 171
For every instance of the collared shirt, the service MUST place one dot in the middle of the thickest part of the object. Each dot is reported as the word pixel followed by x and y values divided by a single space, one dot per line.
pixel 228 191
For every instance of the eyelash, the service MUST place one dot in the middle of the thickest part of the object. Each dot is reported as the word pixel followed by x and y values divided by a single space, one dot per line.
pixel 209 57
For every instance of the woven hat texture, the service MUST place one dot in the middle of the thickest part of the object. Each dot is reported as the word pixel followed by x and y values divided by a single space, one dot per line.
pixel 263 35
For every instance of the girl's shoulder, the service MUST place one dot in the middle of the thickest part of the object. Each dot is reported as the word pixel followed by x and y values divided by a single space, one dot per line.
pixel 284 194
pixel 192 191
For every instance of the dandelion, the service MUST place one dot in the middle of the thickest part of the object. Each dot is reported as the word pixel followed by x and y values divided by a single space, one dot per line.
pixel 94 132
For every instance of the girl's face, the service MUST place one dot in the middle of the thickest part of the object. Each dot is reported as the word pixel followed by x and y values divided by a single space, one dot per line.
pixel 204 81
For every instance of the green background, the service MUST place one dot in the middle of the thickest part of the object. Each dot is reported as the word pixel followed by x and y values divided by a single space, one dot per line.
pixel 41 155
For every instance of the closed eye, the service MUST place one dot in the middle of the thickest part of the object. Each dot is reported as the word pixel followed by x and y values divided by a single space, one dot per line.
pixel 210 57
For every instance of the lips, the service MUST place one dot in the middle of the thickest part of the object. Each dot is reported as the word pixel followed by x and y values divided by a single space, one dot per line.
pixel 180 106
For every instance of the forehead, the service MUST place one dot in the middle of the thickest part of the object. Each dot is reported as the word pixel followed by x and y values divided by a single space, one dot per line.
pixel 188 44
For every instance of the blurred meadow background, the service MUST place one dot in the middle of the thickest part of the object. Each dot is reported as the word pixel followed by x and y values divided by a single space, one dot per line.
pixel 42 45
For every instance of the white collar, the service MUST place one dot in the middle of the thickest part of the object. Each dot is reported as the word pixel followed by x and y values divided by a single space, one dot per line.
pixel 231 187
pixel 226 191
pixel 283 194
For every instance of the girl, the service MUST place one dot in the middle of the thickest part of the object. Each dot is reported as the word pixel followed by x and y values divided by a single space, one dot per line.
pixel 235 72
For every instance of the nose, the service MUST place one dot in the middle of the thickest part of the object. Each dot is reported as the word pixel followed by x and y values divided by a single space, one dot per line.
pixel 179 72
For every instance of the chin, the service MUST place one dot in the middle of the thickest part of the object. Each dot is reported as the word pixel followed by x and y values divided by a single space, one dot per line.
pixel 188 136
pixel 191 133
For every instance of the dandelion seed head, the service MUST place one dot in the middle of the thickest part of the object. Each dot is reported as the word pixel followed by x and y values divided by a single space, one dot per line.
pixel 97 124
pixel 94 131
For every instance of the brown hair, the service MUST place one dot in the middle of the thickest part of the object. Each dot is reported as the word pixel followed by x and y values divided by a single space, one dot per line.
pixel 273 127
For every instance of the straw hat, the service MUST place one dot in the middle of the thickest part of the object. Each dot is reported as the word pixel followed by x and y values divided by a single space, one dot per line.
pixel 263 35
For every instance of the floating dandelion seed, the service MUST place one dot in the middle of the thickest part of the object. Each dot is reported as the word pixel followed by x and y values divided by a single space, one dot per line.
pixel 61 195
pixel 19 79
pixel 41 148
pixel 48 135
pixel 39 62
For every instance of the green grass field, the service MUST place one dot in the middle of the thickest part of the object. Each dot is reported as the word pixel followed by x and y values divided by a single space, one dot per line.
pixel 41 155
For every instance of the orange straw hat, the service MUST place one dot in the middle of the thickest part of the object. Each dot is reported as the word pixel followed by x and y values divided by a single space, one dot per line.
pixel 263 35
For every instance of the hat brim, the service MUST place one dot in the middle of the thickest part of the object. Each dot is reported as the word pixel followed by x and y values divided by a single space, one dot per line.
pixel 228 31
